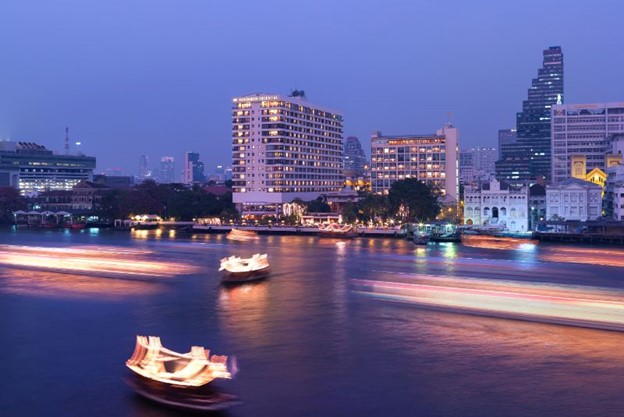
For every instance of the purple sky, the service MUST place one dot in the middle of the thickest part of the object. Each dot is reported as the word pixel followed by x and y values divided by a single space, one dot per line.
pixel 157 77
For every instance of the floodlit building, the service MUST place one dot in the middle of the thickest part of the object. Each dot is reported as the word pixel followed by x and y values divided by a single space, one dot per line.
pixel 588 131
pixel 283 147
pixel 32 168
pixel 497 205
pixel 432 158
pixel 573 199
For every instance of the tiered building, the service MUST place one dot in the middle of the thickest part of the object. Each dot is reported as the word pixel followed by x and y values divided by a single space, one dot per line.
pixel 283 148
pixel 529 156
pixel 432 158
pixel 354 162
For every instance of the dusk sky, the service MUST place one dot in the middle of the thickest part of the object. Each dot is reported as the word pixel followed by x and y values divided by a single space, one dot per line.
pixel 157 77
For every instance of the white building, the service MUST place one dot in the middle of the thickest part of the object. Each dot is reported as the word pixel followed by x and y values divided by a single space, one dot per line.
pixel 584 129
pixel 477 164
pixel 432 158
pixel 283 148
pixel 614 193
pixel 497 205
pixel 573 199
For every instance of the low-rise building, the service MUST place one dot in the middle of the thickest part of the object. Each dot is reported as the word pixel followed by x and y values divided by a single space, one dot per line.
pixel 573 199
pixel 496 204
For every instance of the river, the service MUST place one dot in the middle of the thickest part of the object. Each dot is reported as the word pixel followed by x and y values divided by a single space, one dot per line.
pixel 319 337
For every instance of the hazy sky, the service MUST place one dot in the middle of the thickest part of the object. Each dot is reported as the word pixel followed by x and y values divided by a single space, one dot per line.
pixel 156 77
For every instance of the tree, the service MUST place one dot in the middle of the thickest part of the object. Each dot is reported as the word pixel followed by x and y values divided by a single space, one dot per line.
pixel 318 206
pixel 372 207
pixel 10 201
pixel 411 199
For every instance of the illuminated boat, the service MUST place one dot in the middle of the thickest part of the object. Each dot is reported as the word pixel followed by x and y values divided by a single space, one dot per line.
pixel 496 242
pixel 178 380
pixel 241 235
pixel 345 231
pixel 420 239
pixel 237 269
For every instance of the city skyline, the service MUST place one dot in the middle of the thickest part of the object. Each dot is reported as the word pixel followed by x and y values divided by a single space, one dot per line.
pixel 123 86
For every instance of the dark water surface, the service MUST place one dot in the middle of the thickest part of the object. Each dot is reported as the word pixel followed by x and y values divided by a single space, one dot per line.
pixel 306 343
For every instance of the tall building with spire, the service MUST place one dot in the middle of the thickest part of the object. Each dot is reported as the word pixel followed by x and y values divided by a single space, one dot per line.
pixel 530 156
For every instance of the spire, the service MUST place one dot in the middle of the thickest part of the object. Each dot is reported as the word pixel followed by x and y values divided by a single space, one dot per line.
pixel 66 140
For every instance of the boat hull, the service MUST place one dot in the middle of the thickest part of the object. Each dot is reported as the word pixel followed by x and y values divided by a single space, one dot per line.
pixel 246 276
pixel 204 398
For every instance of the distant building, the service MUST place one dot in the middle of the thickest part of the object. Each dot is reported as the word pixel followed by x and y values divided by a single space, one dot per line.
pixel 167 169
pixel 497 205
pixel 354 159
pixel 218 175
pixel 87 196
pixel 530 156
pixel 505 137
pixel 283 148
pixel 573 199
pixel 476 164
pixel 144 171
pixel 32 168
pixel 613 201
pixel 590 130
pixel 193 171
pixel 432 158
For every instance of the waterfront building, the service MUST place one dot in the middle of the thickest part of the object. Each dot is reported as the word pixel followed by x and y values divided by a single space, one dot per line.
pixel 354 158
pixel 505 137
pixel 32 168
pixel 167 169
pixel 193 171
pixel 496 204
pixel 613 201
pixel 144 172
pixel 530 156
pixel 476 164
pixel 87 196
pixel 573 199
pixel 590 131
pixel 283 148
pixel 537 205
pixel 432 158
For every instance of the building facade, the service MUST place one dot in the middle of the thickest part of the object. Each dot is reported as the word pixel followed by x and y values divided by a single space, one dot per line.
pixel 193 170
pixel 573 199
pixel 589 130
pixel 433 159
pixel 530 156
pixel 283 148
pixel 476 164
pixel 354 161
pixel 32 168
pixel 505 137
pixel 497 205
pixel 167 169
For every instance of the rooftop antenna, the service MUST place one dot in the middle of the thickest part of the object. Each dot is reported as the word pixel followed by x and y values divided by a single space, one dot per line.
pixel 448 117
pixel 66 140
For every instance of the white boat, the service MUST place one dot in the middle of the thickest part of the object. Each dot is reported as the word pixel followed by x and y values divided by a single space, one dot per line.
pixel 179 380
pixel 239 269
pixel 242 235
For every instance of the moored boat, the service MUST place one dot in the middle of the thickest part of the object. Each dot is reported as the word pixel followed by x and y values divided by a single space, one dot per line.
pixel 345 231
pixel 496 242
pixel 237 269
pixel 420 239
pixel 179 380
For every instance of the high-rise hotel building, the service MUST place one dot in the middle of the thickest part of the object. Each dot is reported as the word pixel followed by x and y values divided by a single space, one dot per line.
pixel 588 130
pixel 432 158
pixel 283 148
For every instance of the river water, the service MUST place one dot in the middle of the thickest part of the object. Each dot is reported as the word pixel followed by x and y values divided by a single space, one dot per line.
pixel 310 341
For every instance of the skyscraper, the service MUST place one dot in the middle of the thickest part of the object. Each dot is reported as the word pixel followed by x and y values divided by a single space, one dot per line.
pixel 283 148
pixel 193 170
pixel 530 156
pixel 167 169
pixel 476 164
pixel 354 158
pixel 505 137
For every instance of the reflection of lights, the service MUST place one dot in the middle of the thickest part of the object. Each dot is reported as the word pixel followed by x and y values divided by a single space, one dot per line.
pixel 586 307
pixel 496 242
